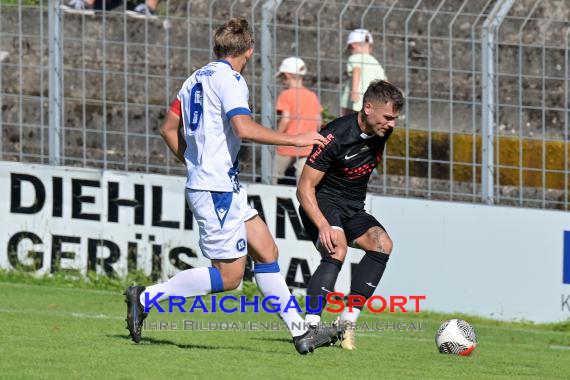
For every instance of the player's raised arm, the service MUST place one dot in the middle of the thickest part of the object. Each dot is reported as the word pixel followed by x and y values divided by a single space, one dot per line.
pixel 247 129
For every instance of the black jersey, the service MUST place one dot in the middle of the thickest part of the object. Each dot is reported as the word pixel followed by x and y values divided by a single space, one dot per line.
pixel 348 158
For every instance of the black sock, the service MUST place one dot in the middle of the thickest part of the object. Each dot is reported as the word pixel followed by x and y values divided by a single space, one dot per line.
pixel 367 274
pixel 324 277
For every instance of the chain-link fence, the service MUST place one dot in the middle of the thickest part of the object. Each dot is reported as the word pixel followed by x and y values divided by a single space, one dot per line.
pixel 103 81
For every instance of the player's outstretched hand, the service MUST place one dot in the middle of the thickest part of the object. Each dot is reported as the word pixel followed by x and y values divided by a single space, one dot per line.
pixel 309 139
pixel 327 237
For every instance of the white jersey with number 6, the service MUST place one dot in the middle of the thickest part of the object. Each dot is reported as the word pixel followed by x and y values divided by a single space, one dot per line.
pixel 209 99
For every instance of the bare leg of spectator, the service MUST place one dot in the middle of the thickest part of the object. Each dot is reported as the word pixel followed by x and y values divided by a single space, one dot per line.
pixel 152 4
pixel 281 164
pixel 299 164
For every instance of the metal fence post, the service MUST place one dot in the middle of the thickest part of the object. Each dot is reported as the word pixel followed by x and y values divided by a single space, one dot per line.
pixel 267 97
pixel 566 117
pixel 55 82
pixel 488 45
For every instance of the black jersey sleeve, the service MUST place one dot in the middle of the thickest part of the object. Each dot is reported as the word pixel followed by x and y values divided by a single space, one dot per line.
pixel 321 158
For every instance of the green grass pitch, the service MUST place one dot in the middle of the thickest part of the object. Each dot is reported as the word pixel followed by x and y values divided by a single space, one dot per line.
pixel 55 332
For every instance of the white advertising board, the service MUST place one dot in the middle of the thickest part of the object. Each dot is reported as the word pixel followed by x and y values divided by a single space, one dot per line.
pixel 79 220
pixel 500 262
pixel 505 263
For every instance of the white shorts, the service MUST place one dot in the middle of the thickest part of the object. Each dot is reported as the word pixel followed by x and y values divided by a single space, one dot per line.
pixel 221 220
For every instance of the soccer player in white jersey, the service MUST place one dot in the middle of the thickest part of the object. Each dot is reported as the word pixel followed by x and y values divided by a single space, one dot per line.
pixel 204 129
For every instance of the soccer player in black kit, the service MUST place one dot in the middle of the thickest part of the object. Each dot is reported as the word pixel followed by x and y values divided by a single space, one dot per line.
pixel 332 190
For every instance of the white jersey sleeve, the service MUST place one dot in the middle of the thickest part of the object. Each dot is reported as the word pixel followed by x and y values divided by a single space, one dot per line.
pixel 234 95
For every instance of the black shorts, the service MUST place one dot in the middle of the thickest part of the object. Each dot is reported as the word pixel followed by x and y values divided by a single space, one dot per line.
pixel 350 217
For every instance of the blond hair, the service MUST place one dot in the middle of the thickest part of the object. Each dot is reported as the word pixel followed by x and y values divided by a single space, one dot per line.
pixel 233 38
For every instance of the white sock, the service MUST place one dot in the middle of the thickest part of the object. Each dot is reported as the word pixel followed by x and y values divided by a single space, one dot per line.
pixel 273 284
pixel 350 316
pixel 188 283
pixel 313 319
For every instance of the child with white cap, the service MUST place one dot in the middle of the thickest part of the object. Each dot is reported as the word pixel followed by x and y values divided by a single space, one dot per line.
pixel 362 68
pixel 299 110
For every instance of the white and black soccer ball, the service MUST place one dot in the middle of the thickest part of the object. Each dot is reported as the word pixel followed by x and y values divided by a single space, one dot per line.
pixel 456 337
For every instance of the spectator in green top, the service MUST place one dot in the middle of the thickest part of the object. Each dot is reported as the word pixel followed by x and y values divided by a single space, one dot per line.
pixel 362 68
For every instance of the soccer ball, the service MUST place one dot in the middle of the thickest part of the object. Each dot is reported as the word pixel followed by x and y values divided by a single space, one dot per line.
pixel 456 337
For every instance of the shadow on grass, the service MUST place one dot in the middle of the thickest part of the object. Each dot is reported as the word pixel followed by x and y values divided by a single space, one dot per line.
pixel 165 342
pixel 282 340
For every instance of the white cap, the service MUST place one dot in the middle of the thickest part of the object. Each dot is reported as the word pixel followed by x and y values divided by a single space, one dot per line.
pixel 359 35
pixel 292 65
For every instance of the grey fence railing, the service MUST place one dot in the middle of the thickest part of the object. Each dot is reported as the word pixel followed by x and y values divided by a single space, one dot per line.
pixel 487 84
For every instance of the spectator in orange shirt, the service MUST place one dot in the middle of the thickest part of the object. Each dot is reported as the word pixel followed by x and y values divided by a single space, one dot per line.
pixel 299 110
